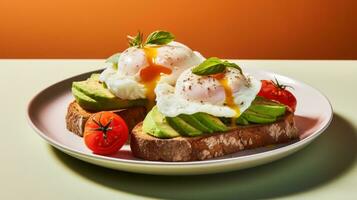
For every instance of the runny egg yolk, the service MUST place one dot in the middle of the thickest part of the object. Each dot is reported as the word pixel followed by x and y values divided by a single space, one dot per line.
pixel 151 74
pixel 229 97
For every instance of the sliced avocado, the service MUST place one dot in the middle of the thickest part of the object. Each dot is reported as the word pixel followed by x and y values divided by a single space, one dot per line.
pixel 242 120
pixel 267 107
pixel 155 124
pixel 94 77
pixel 262 111
pixel 211 122
pixel 227 121
pixel 183 127
pixel 271 110
pixel 151 128
pixel 101 96
pixel 91 104
pixel 94 89
pixel 195 123
pixel 263 101
pixel 85 101
pixel 258 118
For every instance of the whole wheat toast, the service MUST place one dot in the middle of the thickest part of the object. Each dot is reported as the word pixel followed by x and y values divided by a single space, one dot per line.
pixel 77 117
pixel 209 146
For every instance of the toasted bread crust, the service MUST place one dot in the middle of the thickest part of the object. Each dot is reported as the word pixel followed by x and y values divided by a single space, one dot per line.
pixel 77 117
pixel 212 145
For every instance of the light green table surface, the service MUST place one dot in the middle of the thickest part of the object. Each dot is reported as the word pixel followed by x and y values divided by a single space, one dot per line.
pixel 32 169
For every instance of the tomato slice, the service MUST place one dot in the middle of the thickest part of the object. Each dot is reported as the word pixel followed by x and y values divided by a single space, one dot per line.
pixel 105 133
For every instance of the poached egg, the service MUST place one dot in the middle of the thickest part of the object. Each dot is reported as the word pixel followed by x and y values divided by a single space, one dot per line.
pixel 140 69
pixel 226 94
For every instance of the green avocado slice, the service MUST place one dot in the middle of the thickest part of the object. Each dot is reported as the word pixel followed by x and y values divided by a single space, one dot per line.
pixel 211 122
pixel 242 120
pixel 84 101
pixel 264 101
pixel 100 97
pixel 94 89
pixel 183 127
pixel 258 118
pixel 267 107
pixel 151 128
pixel 155 124
pixel 272 110
pixel 190 119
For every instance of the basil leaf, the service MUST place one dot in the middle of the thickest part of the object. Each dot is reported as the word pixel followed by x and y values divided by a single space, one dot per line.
pixel 214 65
pixel 137 40
pixel 160 38
pixel 114 60
pixel 233 65
pixel 210 66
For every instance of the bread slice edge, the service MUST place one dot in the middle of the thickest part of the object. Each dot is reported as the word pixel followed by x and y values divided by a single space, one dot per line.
pixel 76 117
pixel 209 146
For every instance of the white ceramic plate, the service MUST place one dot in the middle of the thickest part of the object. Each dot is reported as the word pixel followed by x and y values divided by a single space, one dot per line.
pixel 47 110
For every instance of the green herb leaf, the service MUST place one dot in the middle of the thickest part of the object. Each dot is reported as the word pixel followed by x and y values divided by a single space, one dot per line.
pixel 159 38
pixel 114 60
pixel 210 66
pixel 233 65
pixel 136 41
pixel 213 65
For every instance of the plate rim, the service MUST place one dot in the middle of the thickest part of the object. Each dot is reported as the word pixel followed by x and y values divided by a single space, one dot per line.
pixel 259 155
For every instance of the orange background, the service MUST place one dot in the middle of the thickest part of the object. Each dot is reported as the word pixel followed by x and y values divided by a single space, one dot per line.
pixel 280 29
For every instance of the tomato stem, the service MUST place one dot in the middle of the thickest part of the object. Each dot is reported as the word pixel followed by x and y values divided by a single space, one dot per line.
pixel 103 128
pixel 279 85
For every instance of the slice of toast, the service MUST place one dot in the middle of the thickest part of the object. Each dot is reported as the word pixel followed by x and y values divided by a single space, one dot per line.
pixel 209 146
pixel 77 117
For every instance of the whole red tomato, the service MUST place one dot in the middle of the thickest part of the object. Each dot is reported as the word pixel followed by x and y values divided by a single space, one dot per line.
pixel 278 92
pixel 105 133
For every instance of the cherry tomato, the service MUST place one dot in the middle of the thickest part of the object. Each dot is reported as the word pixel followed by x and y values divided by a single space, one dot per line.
pixel 278 92
pixel 105 133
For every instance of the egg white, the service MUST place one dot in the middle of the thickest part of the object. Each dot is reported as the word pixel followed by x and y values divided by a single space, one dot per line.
pixel 124 82
pixel 191 94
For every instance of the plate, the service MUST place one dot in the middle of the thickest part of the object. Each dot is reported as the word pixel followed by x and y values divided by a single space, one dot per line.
pixel 46 114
